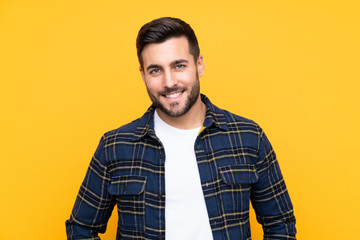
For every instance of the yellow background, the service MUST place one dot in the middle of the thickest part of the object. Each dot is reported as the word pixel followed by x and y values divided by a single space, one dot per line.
pixel 69 73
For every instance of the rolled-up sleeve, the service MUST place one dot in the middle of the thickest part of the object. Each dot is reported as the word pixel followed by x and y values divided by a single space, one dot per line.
pixel 93 205
pixel 269 196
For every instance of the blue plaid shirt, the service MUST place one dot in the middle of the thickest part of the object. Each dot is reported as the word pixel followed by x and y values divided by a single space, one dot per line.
pixel 236 164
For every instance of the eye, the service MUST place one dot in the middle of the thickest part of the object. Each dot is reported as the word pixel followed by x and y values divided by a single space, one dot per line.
pixel 180 66
pixel 155 71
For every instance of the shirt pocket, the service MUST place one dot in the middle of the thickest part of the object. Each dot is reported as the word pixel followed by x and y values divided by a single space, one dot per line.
pixel 239 174
pixel 235 185
pixel 129 192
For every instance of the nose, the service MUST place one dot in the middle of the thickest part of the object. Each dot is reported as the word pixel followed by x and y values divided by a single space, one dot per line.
pixel 169 80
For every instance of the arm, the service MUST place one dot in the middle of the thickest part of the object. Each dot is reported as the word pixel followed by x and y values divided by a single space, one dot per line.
pixel 269 196
pixel 93 205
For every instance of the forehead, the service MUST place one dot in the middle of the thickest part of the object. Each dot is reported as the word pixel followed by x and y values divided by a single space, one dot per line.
pixel 166 52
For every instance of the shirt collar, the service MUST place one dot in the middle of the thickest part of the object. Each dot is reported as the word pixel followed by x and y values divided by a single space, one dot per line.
pixel 214 117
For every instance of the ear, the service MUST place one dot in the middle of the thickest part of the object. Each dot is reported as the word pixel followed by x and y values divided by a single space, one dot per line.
pixel 142 73
pixel 200 65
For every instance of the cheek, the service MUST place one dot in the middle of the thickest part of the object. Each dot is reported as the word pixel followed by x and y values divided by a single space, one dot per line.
pixel 189 77
pixel 186 76
pixel 153 85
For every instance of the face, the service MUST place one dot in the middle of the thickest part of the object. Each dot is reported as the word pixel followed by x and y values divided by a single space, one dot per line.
pixel 171 76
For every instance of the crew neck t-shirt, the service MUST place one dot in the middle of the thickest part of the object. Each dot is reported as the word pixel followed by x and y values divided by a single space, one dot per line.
pixel 186 215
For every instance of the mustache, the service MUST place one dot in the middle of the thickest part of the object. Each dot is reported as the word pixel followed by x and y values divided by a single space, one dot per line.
pixel 171 90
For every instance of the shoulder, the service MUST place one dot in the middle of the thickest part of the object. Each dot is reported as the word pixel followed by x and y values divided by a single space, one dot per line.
pixel 237 122
pixel 130 127
pixel 132 130
pixel 226 119
pixel 232 117
pixel 124 133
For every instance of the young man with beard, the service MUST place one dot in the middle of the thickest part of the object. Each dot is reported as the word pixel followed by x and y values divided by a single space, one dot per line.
pixel 186 169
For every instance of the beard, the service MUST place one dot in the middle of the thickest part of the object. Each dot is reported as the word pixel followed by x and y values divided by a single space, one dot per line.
pixel 175 109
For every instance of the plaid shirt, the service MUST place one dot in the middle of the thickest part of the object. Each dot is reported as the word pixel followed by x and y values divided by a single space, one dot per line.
pixel 236 164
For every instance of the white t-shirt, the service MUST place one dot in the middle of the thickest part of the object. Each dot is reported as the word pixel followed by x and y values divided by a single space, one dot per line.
pixel 186 215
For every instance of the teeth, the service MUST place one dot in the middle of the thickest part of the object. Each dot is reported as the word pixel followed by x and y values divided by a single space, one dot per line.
pixel 173 95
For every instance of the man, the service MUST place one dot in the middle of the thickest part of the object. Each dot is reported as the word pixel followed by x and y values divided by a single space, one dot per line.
pixel 186 169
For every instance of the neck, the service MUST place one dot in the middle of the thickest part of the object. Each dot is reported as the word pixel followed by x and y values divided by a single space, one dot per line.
pixel 192 119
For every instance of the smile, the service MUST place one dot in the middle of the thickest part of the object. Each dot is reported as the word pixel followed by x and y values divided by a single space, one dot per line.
pixel 173 95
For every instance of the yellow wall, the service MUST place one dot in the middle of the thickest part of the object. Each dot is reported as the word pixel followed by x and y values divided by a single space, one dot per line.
pixel 69 72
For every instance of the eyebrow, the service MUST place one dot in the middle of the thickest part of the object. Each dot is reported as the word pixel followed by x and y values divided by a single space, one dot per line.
pixel 152 66
pixel 178 61
pixel 171 64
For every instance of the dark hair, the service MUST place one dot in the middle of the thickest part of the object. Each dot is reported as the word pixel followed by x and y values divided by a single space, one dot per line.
pixel 161 29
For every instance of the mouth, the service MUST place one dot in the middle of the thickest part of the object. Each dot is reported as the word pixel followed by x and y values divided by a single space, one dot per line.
pixel 173 95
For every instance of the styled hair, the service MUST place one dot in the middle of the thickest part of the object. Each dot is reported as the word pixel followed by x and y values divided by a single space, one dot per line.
pixel 162 29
